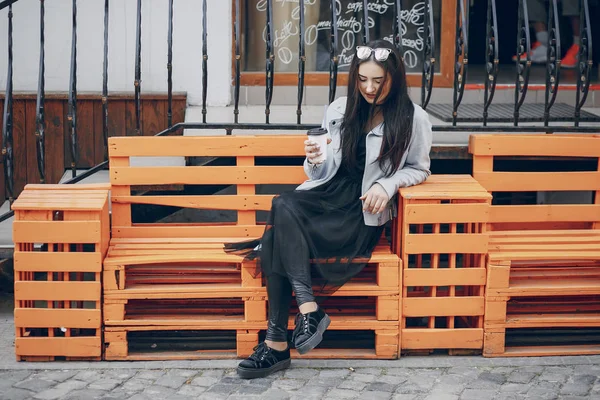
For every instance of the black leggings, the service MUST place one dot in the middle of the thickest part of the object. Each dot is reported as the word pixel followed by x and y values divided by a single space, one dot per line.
pixel 297 269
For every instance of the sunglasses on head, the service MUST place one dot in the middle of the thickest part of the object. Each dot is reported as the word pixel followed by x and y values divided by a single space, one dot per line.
pixel 364 52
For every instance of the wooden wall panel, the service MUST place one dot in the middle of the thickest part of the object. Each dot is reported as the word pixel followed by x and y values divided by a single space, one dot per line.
pixel 33 174
pixel 116 118
pixel 130 118
pixel 121 122
pixel 2 187
pixel 99 147
pixel 55 140
pixel 154 117
pixel 19 146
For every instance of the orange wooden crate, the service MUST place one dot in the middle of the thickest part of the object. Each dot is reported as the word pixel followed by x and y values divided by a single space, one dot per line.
pixel 61 235
pixel 443 246
pixel 164 262
pixel 539 250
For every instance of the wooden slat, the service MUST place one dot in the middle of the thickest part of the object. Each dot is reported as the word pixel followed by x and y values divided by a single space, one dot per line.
pixel 206 175
pixel 217 146
pixel 57 262
pixel 552 320
pixel 154 117
pixel 444 276
pixel 538 351
pixel 545 213
pixel 542 247
pixel 57 318
pixel 56 231
pixel 58 346
pixel 442 306
pixel 446 213
pixel 535 145
pixel 19 145
pixel 538 181
pixel 240 231
pixel 55 139
pixel 91 187
pixel 575 233
pixel 446 243
pixel 467 338
pixel 59 291
pixel 545 255
pixel 85 135
pixel 215 202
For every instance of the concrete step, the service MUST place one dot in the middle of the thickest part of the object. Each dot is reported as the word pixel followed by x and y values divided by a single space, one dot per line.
pixel 98 177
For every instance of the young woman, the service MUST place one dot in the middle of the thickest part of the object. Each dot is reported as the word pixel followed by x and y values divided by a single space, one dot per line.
pixel 380 141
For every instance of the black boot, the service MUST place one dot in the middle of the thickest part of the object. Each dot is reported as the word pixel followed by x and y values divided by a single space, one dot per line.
pixel 263 362
pixel 309 330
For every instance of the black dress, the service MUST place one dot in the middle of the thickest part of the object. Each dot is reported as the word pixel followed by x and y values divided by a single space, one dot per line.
pixel 324 223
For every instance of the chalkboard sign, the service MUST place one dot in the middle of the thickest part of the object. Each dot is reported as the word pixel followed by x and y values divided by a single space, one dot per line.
pixel 286 31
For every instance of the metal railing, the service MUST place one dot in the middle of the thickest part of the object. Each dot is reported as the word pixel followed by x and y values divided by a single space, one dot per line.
pixel 429 61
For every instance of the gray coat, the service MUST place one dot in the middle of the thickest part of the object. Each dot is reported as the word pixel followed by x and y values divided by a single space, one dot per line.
pixel 414 166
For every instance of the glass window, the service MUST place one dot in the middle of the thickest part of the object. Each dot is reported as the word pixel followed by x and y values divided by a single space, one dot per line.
pixel 317 32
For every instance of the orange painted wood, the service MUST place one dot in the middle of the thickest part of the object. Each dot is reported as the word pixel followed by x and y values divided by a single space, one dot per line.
pixel 215 146
pixel 387 308
pixel 206 175
pixel 191 230
pixel 546 255
pixel 67 291
pixel 464 338
pixel 56 318
pixel 58 346
pixel 538 181
pixel 442 306
pixel 446 213
pixel 535 145
pixel 553 320
pixel 214 202
pixel 444 276
pixel 56 231
pixel 57 262
pixel 545 212
pixel 61 187
pixel 442 243
pixel 540 351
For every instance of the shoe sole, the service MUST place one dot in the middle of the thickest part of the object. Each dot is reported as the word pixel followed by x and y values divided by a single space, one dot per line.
pixel 251 373
pixel 315 339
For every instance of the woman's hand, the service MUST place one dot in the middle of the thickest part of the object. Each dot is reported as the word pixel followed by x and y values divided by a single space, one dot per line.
pixel 375 200
pixel 313 150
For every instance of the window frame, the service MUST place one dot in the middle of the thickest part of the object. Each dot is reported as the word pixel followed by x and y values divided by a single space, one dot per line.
pixel 444 78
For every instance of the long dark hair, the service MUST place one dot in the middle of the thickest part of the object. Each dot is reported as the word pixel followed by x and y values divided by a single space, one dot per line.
pixel 397 111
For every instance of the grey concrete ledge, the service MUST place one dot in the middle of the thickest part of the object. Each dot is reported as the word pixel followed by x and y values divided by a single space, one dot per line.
pixel 405 362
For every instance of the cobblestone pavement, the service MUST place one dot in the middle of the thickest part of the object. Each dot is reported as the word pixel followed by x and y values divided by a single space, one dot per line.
pixel 458 382
pixel 414 378
pixel 572 378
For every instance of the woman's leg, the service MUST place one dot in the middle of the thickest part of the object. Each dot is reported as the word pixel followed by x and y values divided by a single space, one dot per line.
pixel 279 293
pixel 291 250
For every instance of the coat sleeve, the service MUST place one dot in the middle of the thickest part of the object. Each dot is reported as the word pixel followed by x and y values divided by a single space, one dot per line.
pixel 416 168
pixel 319 171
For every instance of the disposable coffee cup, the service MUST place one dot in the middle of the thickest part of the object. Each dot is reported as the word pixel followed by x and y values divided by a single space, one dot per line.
pixel 319 136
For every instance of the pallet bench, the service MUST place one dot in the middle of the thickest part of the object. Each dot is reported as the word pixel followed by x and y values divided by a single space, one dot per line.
pixel 163 277
pixel 544 259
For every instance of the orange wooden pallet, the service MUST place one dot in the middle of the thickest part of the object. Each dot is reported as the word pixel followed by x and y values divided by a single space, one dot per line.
pixel 61 235
pixel 220 318
pixel 443 246
pixel 540 250
pixel 166 263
